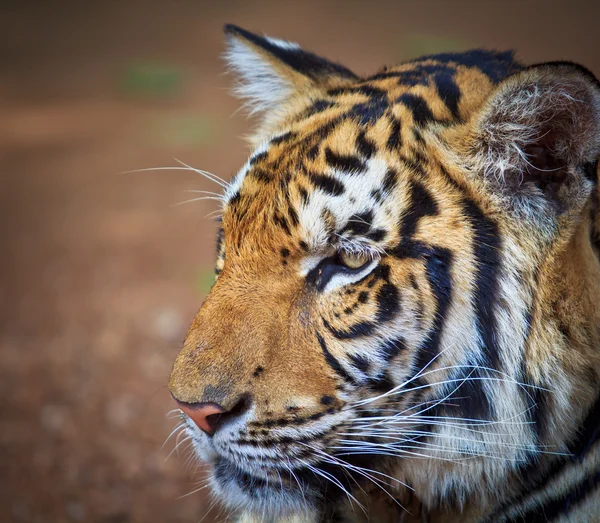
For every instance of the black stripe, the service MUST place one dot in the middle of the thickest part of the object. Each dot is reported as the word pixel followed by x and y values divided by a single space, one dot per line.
pixel 496 65
pixel 407 78
pixel 448 91
pixel 421 112
pixel 394 141
pixel 261 175
pixel 284 138
pixel 421 204
pixel 381 384
pixel 346 163
pixel 317 107
pixel 319 135
pixel 280 220
pixel 235 199
pixel 365 146
pixel 438 270
pixel 390 180
pixel 376 235
pixel 327 184
pixel 363 328
pixel 486 249
pixel 392 348
pixel 360 362
pixel 468 397
pixel 369 112
pixel 367 90
pixel 293 215
pixel 560 506
pixel 258 157
pixel 377 196
pixel 303 195
pixel 417 76
pixel 358 224
pixel 333 362
pixel 388 302
pixel 536 481
pixel 538 404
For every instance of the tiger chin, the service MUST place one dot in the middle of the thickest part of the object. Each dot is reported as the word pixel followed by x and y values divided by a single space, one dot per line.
pixel 405 322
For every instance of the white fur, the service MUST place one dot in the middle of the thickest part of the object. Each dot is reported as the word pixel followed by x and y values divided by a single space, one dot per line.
pixel 261 86
pixel 358 187
pixel 284 44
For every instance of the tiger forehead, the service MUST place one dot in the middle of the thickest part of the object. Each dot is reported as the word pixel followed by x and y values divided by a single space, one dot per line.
pixel 383 113
pixel 328 175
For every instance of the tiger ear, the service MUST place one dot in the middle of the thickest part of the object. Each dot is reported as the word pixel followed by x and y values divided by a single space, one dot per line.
pixel 271 71
pixel 537 139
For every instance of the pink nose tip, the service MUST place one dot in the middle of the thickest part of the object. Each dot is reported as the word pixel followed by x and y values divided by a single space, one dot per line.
pixel 204 415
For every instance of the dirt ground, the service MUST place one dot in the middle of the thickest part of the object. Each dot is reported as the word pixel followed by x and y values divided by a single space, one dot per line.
pixel 100 275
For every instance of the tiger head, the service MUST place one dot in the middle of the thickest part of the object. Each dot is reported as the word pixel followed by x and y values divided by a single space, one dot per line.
pixel 407 280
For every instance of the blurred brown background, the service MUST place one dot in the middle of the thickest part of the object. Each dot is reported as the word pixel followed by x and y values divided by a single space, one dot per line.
pixel 100 275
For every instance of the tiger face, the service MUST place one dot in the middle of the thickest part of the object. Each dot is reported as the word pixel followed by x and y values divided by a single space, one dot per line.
pixel 390 260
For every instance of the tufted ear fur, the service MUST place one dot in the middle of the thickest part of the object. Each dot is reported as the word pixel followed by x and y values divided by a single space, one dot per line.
pixel 537 139
pixel 270 72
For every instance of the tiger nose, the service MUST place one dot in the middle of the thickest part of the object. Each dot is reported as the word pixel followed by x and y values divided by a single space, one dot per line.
pixel 205 415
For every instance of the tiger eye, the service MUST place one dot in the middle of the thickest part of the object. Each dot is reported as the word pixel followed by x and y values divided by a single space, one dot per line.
pixel 353 260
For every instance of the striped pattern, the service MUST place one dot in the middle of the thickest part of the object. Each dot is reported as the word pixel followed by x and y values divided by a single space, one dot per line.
pixel 461 355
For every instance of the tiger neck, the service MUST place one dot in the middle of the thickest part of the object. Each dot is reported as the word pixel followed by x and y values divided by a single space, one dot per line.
pixel 565 333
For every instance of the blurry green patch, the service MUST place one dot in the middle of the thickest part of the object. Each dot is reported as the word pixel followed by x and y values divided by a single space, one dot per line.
pixel 185 130
pixel 151 80
pixel 205 279
pixel 420 45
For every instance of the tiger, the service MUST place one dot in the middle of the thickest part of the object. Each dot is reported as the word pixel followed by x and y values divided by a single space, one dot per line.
pixel 405 320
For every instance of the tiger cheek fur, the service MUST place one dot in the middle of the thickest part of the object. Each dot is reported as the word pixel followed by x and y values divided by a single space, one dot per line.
pixel 406 305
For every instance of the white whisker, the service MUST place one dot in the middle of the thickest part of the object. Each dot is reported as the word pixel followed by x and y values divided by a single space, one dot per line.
pixel 196 200
pixel 210 193
pixel 211 176
pixel 179 427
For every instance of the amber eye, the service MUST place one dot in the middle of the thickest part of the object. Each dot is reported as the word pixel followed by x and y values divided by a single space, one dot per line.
pixel 353 260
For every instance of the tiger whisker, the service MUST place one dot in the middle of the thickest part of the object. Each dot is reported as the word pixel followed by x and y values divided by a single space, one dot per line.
pixel 398 389
pixel 206 484
pixel 367 473
pixel 333 480
pixel 476 421
pixel 402 438
pixel 399 452
pixel 210 193
pixel 188 438
pixel 423 447
pixel 215 212
pixel 196 200
pixel 176 429
pixel 206 174
pixel 354 467
pixel 486 443
pixel 203 173
pixel 393 430
pixel 289 468
pixel 400 443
